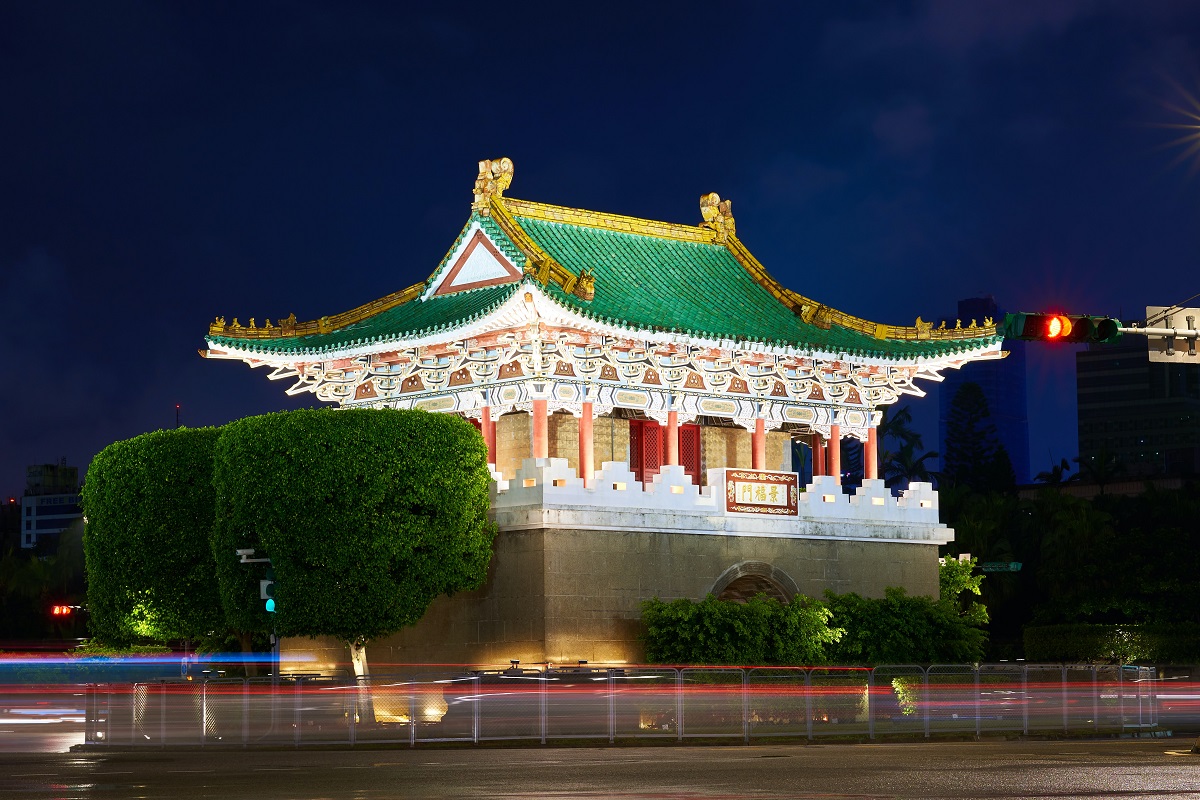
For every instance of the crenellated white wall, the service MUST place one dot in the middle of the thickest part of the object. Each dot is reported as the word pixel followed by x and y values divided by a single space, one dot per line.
pixel 547 493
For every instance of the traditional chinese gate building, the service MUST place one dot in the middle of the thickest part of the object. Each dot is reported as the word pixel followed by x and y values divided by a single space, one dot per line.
pixel 639 385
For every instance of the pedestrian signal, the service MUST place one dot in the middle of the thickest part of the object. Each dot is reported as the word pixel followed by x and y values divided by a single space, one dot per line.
pixel 266 590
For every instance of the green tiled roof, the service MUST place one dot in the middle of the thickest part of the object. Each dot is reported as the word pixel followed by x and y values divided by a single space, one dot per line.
pixel 657 283
pixel 406 321
pixel 642 281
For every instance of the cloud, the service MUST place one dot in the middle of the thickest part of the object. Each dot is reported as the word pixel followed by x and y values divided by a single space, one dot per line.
pixel 957 28
pixel 38 343
pixel 32 277
pixel 903 131
pixel 1032 130
pixel 798 179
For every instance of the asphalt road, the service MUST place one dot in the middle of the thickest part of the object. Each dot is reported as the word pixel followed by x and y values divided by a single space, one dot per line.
pixel 930 771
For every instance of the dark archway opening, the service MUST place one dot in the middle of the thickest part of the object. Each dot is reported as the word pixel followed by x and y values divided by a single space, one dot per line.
pixel 748 586
pixel 743 581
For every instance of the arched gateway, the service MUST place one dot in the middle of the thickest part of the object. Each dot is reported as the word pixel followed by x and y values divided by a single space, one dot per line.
pixel 639 385
pixel 749 578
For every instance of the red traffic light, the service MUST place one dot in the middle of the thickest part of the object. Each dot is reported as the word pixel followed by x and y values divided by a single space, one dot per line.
pixel 61 611
pixel 1061 328
pixel 1058 326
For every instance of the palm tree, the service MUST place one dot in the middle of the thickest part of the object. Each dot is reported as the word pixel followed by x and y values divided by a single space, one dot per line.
pixel 905 466
pixel 1100 469
pixel 897 425
pixel 902 466
pixel 1056 474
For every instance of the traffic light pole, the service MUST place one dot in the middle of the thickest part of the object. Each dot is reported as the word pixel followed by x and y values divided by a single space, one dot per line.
pixel 246 556
pixel 1189 333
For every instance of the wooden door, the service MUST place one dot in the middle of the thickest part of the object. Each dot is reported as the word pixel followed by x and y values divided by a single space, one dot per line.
pixel 689 451
pixel 646 444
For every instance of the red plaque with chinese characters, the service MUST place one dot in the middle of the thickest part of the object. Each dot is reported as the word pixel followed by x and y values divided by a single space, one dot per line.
pixel 759 492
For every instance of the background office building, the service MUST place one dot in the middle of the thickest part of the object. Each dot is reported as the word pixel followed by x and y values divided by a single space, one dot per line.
pixel 51 502
pixel 1146 415
pixel 1003 384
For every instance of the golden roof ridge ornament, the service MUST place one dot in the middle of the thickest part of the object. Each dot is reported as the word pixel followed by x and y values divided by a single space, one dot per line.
pixel 718 215
pixel 495 175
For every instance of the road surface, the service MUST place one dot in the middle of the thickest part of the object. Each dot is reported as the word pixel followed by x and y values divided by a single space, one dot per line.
pixel 929 771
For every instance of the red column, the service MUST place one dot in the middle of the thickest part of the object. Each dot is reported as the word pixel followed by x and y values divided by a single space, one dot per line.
pixel 488 429
pixel 871 455
pixel 672 437
pixel 587 451
pixel 541 436
pixel 758 445
pixel 818 454
pixel 835 452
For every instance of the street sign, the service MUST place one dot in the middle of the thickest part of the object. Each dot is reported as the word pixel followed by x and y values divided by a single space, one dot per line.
pixel 1178 349
pixel 1000 566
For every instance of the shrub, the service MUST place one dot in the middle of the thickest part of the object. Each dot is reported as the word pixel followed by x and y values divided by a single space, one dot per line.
pixel 1172 643
pixel 762 631
pixel 899 629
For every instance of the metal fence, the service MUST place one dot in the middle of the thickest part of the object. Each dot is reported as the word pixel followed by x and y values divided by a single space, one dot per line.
pixel 609 705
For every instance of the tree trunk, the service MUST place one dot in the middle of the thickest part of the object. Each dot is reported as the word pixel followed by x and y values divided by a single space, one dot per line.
pixel 246 640
pixel 362 676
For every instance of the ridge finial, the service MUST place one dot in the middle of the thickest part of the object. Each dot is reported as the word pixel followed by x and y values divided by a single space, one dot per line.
pixel 718 215
pixel 495 175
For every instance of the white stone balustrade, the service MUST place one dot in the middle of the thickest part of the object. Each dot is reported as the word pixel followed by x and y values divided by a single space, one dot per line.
pixel 873 500
pixel 670 501
pixel 673 488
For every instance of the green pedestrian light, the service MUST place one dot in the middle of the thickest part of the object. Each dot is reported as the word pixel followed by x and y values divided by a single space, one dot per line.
pixel 266 590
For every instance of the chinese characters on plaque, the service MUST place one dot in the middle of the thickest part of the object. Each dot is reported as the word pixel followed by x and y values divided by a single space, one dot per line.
pixel 758 492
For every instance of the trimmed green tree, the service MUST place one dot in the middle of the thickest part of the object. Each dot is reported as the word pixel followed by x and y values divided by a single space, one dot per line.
pixel 367 515
pixel 148 502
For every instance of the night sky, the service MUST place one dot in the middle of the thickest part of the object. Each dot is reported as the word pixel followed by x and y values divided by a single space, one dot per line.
pixel 161 166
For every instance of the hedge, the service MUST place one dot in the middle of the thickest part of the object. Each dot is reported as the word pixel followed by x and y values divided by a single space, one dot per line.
pixel 762 631
pixel 845 629
pixel 1171 643
pixel 899 629
pixel 148 502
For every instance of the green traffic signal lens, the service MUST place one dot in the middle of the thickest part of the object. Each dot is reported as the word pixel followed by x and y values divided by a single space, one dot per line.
pixel 1107 330
pixel 271 605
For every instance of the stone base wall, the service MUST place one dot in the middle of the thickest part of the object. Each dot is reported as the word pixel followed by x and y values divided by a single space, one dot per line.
pixel 564 595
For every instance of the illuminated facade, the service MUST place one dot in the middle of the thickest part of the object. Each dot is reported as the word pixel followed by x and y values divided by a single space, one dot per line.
pixel 540 309
pixel 637 376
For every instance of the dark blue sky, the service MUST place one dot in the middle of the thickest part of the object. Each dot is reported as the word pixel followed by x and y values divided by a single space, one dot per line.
pixel 162 166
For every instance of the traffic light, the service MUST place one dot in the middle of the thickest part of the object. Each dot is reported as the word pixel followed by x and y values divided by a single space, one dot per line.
pixel 1061 328
pixel 266 590
pixel 60 611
